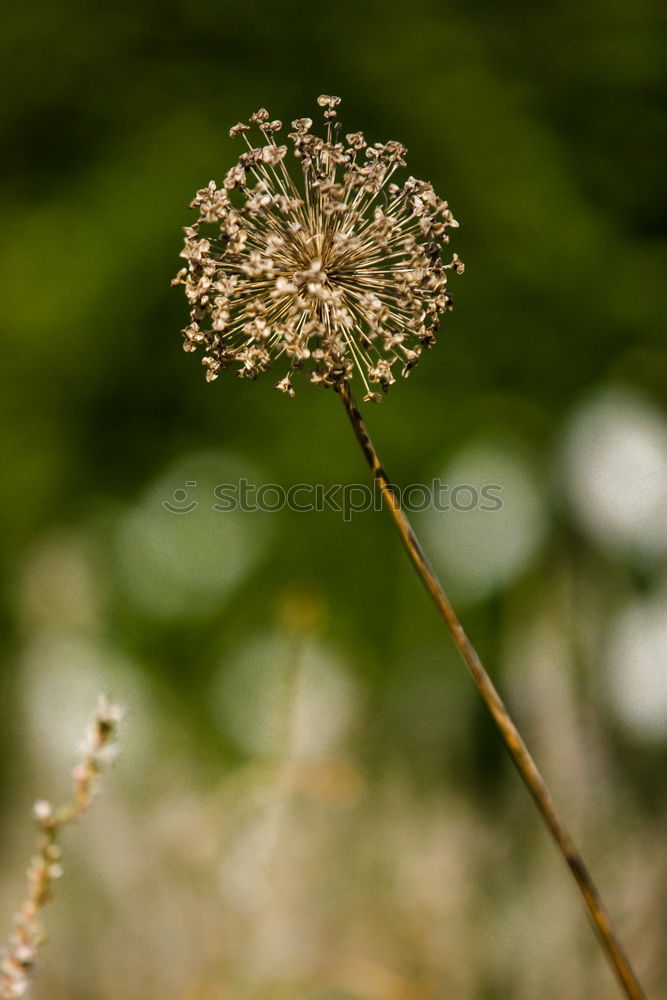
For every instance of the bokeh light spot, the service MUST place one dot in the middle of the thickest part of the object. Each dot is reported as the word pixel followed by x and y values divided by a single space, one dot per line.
pixel 495 521
pixel 615 465
pixel 179 554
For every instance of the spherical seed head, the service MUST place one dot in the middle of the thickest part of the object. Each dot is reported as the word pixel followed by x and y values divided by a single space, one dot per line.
pixel 339 272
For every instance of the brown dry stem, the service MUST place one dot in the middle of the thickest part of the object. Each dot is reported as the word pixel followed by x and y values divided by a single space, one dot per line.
pixel 97 752
pixel 509 733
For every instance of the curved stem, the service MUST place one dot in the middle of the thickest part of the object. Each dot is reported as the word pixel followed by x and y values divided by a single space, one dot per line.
pixel 494 703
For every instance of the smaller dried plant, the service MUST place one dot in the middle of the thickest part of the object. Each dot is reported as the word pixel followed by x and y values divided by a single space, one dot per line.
pixel 97 752
pixel 340 272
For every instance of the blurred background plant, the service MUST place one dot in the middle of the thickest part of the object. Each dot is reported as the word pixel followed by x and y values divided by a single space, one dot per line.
pixel 312 801
pixel 98 750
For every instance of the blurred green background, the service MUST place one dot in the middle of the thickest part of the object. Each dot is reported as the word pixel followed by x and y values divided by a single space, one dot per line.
pixel 311 801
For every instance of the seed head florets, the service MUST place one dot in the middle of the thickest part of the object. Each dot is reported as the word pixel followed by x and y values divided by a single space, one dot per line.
pixel 338 272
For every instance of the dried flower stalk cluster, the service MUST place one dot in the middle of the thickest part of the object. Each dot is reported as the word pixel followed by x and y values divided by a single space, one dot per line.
pixel 97 752
pixel 340 273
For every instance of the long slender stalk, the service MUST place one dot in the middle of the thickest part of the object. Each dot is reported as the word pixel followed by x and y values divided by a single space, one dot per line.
pixel 508 731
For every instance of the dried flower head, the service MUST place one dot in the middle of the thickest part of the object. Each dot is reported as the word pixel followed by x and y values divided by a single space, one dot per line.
pixel 343 271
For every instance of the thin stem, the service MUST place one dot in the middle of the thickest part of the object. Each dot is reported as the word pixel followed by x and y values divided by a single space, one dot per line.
pixel 98 750
pixel 508 731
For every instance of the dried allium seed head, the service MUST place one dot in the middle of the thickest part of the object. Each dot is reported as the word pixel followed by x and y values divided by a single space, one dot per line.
pixel 341 272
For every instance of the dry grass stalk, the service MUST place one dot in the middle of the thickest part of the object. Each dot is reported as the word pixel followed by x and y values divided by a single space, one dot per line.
pixel 97 752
